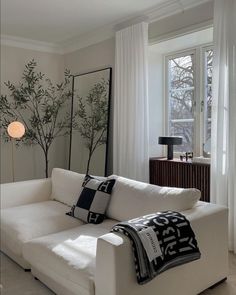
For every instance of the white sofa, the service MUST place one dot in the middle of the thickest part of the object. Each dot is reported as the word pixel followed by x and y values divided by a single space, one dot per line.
pixel 74 258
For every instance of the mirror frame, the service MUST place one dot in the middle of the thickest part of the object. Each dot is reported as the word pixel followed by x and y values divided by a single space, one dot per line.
pixel 108 115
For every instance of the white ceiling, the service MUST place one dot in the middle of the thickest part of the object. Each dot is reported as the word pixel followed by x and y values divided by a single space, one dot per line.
pixel 56 21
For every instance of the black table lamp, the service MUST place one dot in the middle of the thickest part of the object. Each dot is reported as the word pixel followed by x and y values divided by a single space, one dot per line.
pixel 170 141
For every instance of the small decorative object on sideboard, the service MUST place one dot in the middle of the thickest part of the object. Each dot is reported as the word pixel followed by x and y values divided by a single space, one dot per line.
pixel 188 156
pixel 170 141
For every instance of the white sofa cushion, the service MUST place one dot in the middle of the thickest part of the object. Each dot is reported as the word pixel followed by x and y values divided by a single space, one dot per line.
pixel 132 198
pixel 66 186
pixel 70 254
pixel 23 223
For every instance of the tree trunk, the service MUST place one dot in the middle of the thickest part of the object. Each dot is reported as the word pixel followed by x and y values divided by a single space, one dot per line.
pixel 88 163
pixel 46 163
pixel 90 151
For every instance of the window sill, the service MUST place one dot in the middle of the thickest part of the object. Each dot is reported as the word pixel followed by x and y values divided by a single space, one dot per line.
pixel 201 160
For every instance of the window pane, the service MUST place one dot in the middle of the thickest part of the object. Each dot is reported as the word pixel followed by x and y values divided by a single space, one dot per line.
pixel 184 129
pixel 208 100
pixel 181 72
pixel 181 104
pixel 181 100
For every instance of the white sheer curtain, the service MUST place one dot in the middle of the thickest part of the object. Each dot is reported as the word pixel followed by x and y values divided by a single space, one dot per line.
pixel 223 163
pixel 130 140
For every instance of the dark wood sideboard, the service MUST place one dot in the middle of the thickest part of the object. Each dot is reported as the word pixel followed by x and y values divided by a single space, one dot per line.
pixel 178 173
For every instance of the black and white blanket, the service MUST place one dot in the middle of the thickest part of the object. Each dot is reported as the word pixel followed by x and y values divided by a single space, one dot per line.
pixel 160 241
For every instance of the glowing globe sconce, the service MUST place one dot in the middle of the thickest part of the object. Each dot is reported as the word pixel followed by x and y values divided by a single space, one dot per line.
pixel 16 130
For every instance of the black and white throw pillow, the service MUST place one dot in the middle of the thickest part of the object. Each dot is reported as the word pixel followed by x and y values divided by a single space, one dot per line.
pixel 93 200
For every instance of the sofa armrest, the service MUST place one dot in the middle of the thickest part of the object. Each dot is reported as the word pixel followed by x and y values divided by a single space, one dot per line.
pixel 116 270
pixel 24 192
pixel 114 262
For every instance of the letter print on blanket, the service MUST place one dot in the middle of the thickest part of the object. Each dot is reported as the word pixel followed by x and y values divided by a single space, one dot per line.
pixel 176 243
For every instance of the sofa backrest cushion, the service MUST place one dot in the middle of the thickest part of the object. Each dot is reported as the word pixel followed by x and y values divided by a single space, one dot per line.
pixel 131 199
pixel 66 186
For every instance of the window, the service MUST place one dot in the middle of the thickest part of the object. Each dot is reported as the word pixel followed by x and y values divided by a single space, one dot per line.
pixel 207 103
pixel 189 97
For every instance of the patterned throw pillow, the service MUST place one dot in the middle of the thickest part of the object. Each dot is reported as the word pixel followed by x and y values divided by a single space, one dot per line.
pixel 93 200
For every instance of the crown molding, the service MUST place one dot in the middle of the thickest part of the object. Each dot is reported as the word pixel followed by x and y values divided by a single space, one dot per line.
pixel 181 32
pixel 30 44
pixel 163 10
pixel 172 7
pixel 168 8
pixel 88 39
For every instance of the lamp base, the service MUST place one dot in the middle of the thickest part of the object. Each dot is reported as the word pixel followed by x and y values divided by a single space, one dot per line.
pixel 170 152
pixel 12 160
pixel 170 141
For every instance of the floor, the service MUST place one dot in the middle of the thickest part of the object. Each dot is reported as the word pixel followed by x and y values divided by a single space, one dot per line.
pixel 15 281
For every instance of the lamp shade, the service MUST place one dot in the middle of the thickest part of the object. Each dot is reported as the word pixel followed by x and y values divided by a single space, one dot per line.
pixel 16 130
pixel 174 140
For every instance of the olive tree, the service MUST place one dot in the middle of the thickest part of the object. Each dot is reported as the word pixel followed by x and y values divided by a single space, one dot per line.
pixel 38 103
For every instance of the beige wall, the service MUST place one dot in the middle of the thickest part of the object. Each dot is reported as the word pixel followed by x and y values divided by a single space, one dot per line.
pixel 29 161
pixel 92 57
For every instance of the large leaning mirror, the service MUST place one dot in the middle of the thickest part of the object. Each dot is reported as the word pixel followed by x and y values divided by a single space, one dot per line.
pixel 90 122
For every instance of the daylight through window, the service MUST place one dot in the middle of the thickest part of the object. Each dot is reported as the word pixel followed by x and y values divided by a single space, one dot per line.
pixel 189 96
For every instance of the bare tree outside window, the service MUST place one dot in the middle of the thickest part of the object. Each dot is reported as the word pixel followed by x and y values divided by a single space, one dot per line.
pixel 181 100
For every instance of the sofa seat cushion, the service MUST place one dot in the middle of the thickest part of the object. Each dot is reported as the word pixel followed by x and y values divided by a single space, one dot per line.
pixel 69 254
pixel 23 223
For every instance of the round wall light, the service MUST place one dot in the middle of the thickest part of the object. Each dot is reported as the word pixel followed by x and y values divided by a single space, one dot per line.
pixel 16 130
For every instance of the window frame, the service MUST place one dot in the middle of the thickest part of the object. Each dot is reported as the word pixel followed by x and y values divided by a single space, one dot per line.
pixel 203 93
pixel 199 92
